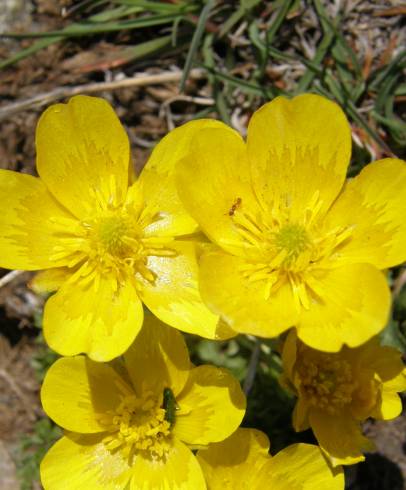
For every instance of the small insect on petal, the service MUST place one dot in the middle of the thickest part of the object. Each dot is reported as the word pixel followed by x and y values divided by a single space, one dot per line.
pixel 169 405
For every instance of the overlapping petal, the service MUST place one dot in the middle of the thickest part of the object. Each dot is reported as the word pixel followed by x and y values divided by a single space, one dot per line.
pixel 235 462
pixel 77 462
pixel 300 467
pixel 93 317
pixel 211 406
pixel 158 358
pixel 243 303
pixel 174 296
pixel 158 179
pixel 50 280
pixel 340 436
pixel 350 305
pixel 77 390
pixel 179 471
pixel 372 206
pixel 32 223
pixel 214 182
pixel 299 150
pixel 83 154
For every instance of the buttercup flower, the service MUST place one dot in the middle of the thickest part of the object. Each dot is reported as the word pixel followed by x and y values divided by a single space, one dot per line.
pixel 337 391
pixel 295 244
pixel 107 243
pixel 134 423
pixel 243 462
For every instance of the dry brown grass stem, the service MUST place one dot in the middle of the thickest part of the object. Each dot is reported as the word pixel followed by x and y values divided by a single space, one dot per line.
pixel 89 88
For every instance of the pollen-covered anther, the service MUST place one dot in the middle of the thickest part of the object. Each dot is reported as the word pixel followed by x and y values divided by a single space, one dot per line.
pixel 326 382
pixel 138 425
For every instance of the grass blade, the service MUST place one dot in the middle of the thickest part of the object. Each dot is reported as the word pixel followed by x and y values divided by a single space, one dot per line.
pixel 197 36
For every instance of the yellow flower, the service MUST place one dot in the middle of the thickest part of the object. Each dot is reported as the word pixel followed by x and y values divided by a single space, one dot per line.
pixel 243 462
pixel 337 391
pixel 135 422
pixel 296 245
pixel 107 243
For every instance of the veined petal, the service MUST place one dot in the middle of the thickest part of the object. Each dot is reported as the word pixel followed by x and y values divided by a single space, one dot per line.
pixel 174 296
pixel 300 467
pixel 96 317
pixel 30 223
pixel 158 180
pixel 235 462
pixel 299 151
pixel 78 462
pixel 211 406
pixel 83 154
pixel 179 471
pixel 350 305
pixel 372 206
pixel 214 184
pixel 340 437
pixel 242 303
pixel 158 358
pixel 76 390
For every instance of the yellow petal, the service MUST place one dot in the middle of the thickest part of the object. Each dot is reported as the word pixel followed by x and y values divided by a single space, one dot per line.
pixel 93 318
pixel 158 179
pixel 351 304
pixel 76 389
pixel 49 280
pixel 299 150
pixel 241 303
pixel 384 360
pixel 214 184
pixel 390 406
pixel 179 471
pixel 30 223
pixel 158 358
pixel 300 415
pixel 83 154
pixel 300 467
pixel 211 406
pixel 235 462
pixel 82 462
pixel 340 437
pixel 289 354
pixel 372 205
pixel 174 296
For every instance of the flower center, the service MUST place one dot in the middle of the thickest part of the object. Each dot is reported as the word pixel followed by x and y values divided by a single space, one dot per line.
pixel 139 424
pixel 112 233
pixel 281 247
pixel 114 242
pixel 325 381
pixel 293 239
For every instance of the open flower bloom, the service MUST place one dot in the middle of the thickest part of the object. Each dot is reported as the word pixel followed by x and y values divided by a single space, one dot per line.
pixel 295 244
pixel 134 422
pixel 106 243
pixel 243 462
pixel 337 391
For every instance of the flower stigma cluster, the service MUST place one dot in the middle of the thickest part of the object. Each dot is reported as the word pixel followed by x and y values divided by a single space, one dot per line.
pixel 325 381
pixel 138 424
